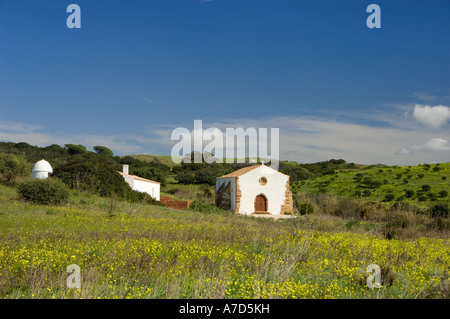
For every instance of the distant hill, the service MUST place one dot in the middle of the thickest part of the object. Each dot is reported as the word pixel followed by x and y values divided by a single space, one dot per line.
pixel 421 185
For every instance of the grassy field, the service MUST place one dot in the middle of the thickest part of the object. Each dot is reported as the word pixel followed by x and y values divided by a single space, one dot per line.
pixel 140 251
pixel 421 185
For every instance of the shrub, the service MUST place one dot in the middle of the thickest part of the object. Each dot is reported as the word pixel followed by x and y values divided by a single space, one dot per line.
pixel 439 210
pixel 409 193
pixel 441 224
pixel 12 168
pixel 206 208
pixel 389 197
pixel 305 208
pixel 422 198
pixel 443 193
pixel 398 219
pixel 358 177
pixel 421 175
pixel 426 187
pixel 444 178
pixel 366 193
pixel 370 183
pixel 185 177
pixel 50 191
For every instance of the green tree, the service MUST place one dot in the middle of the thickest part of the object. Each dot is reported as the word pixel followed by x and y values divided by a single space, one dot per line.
pixel 102 150
pixel 75 149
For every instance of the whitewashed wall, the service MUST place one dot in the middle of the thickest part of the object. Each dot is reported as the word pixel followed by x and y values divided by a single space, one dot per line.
pixel 153 189
pixel 274 189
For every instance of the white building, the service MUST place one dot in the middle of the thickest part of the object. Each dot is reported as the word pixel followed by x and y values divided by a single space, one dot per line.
pixel 141 184
pixel 256 189
pixel 42 170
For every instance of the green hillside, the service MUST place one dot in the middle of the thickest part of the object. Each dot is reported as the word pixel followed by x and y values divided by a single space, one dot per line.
pixel 420 185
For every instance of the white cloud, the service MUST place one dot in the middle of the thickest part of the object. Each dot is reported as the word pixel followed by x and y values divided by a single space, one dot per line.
pixel 432 145
pixel 302 139
pixel 432 116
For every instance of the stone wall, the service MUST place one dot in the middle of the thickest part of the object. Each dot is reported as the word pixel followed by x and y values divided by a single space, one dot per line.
pixel 175 204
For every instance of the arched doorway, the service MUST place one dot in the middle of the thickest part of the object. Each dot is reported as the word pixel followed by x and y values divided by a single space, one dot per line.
pixel 260 204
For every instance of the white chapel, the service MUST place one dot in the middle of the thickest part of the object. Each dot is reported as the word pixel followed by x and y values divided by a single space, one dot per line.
pixel 257 189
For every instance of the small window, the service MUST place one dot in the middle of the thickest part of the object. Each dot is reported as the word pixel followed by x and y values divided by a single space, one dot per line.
pixel 263 181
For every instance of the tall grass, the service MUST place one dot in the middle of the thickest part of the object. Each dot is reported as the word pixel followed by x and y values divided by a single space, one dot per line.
pixel 402 221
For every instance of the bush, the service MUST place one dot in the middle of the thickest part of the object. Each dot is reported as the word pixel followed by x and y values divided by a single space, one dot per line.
pixel 439 210
pixel 422 198
pixel 50 191
pixel 397 220
pixel 443 194
pixel 366 193
pixel 305 208
pixel 409 193
pixel 389 197
pixel 426 188
pixel 206 208
pixel 12 168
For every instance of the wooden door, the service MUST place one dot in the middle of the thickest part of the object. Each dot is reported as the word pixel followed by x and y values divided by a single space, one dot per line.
pixel 260 203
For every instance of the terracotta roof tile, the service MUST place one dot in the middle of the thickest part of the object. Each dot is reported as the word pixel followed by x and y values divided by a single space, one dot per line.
pixel 241 171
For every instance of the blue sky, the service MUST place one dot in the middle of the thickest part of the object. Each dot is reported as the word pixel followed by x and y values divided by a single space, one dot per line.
pixel 136 70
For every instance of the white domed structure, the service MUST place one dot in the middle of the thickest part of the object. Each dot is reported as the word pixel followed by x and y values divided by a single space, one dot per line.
pixel 42 169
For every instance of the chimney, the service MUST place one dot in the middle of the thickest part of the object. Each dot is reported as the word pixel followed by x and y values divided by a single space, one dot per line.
pixel 125 170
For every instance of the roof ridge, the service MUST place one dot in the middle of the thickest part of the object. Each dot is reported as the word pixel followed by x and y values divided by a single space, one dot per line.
pixel 138 177
pixel 241 171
